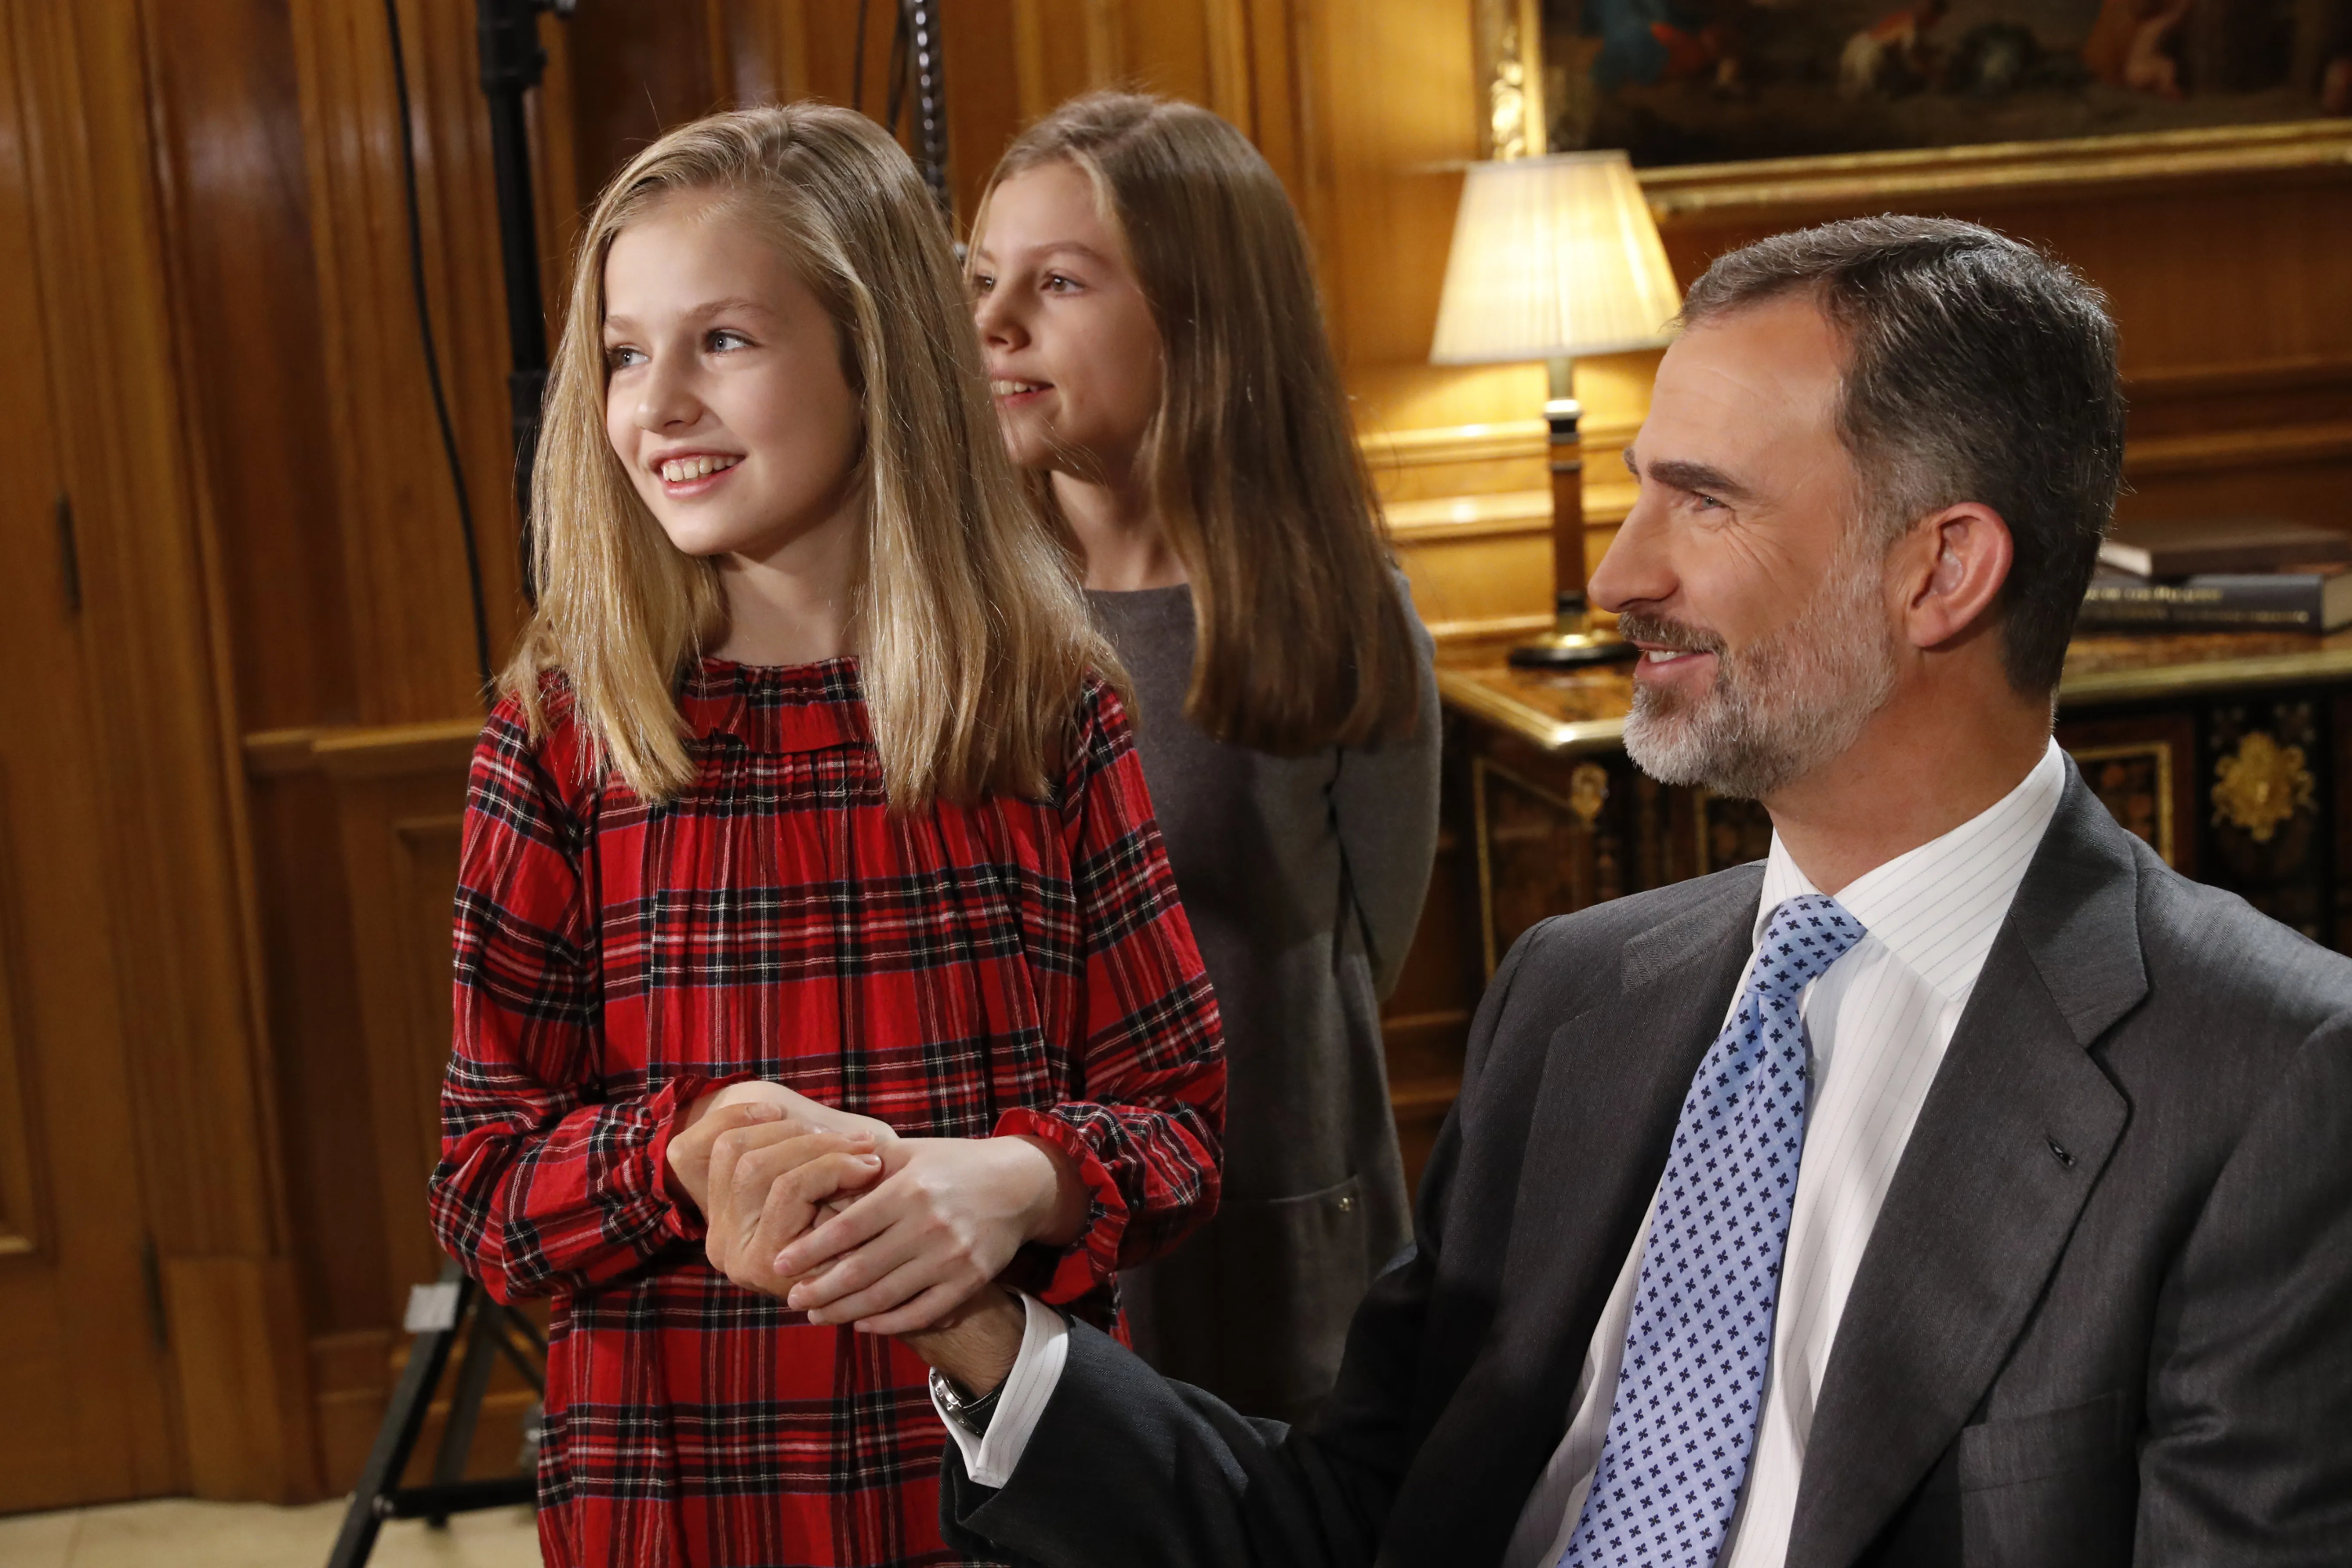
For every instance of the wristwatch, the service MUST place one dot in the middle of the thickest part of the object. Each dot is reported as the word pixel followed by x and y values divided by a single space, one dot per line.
pixel 966 1409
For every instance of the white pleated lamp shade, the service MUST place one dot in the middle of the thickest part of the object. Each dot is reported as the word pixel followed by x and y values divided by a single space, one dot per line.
pixel 1553 257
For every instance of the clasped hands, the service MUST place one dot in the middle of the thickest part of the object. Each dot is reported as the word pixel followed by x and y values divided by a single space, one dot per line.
pixel 842 1219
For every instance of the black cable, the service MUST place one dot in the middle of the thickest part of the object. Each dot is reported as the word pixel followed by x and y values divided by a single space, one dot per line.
pixel 432 358
pixel 901 63
pixel 858 64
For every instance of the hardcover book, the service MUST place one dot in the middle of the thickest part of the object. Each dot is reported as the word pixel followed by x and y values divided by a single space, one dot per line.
pixel 2316 601
pixel 2194 546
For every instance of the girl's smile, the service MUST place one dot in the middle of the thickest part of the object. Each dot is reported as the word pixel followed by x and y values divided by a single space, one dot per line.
pixel 1018 393
pixel 686 474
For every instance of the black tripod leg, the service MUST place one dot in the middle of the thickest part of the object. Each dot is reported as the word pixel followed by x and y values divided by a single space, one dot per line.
pixel 403 1418
pixel 466 1401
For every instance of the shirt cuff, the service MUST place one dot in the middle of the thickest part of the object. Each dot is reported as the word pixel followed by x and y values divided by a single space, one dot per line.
pixel 990 1458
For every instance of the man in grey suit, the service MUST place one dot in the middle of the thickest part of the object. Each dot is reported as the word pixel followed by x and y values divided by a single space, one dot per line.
pixel 1961 1185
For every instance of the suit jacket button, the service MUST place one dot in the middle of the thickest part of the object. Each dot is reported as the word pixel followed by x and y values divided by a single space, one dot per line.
pixel 2064 1158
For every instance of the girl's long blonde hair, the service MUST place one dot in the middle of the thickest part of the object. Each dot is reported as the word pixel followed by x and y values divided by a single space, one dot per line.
pixel 1251 462
pixel 973 638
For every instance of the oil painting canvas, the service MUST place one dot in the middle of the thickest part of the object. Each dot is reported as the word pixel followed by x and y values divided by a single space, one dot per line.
pixel 1692 82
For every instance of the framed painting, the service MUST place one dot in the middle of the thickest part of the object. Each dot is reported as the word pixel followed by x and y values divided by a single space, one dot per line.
pixel 1677 82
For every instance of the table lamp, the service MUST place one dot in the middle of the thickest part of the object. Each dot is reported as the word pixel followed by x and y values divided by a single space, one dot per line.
pixel 1553 257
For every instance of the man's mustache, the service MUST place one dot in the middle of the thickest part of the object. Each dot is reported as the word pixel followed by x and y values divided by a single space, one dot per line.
pixel 1635 626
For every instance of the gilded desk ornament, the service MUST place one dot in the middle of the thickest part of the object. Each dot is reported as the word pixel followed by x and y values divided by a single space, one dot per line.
pixel 1588 791
pixel 2259 787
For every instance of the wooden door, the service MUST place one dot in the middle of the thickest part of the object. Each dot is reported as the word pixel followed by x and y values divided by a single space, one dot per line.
pixel 84 1415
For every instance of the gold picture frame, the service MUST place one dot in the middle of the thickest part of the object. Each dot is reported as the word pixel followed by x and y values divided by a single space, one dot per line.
pixel 1775 190
pixel 1520 89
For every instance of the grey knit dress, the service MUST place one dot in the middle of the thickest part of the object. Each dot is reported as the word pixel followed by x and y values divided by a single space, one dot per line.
pixel 1303 878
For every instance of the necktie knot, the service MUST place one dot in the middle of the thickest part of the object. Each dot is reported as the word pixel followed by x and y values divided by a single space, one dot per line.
pixel 1803 936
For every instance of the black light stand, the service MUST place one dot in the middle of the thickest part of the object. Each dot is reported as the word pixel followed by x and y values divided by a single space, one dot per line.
pixel 512 64
pixel 437 1314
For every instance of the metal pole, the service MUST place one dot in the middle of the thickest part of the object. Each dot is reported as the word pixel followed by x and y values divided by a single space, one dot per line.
pixel 930 98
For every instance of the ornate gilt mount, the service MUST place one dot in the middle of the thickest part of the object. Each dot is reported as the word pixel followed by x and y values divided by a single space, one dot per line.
pixel 2261 787
pixel 1588 791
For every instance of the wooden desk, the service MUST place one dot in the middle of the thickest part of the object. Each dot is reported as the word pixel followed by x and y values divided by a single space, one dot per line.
pixel 2229 754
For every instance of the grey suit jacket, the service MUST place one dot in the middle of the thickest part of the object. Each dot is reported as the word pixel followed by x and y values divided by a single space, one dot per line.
pixel 2106 1316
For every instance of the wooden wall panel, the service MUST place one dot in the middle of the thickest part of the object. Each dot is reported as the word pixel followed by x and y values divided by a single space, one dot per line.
pixel 230 133
pixel 334 1191
pixel 628 78
pixel 400 854
pixel 395 512
pixel 20 1222
pixel 1386 86
pixel 987 87
pixel 154 642
pixel 84 1380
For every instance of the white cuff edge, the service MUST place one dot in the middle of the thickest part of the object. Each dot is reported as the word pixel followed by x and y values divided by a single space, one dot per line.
pixel 989 1459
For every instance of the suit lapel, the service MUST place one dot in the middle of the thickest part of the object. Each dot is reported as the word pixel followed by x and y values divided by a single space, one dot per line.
pixel 1612 1083
pixel 1982 1202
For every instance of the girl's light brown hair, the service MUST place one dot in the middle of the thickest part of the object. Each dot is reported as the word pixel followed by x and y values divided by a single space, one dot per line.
pixel 973 638
pixel 1303 639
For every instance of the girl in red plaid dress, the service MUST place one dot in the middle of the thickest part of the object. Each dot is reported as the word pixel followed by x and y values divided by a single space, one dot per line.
pixel 808 834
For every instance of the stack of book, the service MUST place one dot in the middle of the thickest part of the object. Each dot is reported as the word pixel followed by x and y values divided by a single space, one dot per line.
pixel 2221 574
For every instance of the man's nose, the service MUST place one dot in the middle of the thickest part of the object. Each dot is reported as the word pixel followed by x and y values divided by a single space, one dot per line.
pixel 1634 570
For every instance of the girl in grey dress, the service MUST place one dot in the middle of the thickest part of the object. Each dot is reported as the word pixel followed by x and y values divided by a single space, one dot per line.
pixel 1158 358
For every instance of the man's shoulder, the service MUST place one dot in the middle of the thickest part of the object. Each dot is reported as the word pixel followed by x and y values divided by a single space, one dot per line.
pixel 1621 920
pixel 1577 958
pixel 2200 940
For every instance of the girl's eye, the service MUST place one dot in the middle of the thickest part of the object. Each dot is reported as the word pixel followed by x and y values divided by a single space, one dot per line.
pixel 727 338
pixel 1060 283
pixel 981 282
pixel 620 356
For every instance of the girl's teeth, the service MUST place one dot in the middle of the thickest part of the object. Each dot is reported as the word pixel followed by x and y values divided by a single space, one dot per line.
pixel 1010 388
pixel 677 470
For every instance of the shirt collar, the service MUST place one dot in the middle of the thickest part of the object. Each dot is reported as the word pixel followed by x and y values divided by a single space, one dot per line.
pixel 776 708
pixel 1938 906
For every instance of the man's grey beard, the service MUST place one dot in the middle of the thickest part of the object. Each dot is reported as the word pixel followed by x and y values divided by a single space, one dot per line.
pixel 1776 709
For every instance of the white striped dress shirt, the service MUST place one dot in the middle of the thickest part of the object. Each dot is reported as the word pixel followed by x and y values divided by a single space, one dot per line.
pixel 1879 1020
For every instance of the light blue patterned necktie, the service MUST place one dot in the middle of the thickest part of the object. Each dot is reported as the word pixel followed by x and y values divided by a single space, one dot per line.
pixel 1684 1426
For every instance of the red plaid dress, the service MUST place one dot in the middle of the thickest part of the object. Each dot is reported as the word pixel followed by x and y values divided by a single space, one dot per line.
pixel 1009 967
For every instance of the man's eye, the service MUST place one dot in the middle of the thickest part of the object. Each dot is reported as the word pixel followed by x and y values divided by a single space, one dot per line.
pixel 1705 502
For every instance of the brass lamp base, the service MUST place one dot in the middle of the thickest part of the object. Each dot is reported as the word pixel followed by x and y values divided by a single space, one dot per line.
pixel 1571 645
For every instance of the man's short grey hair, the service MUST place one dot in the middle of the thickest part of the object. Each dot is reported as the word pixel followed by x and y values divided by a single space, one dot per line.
pixel 1981 371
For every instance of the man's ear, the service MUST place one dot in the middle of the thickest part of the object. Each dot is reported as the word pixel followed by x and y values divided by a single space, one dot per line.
pixel 1968 552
